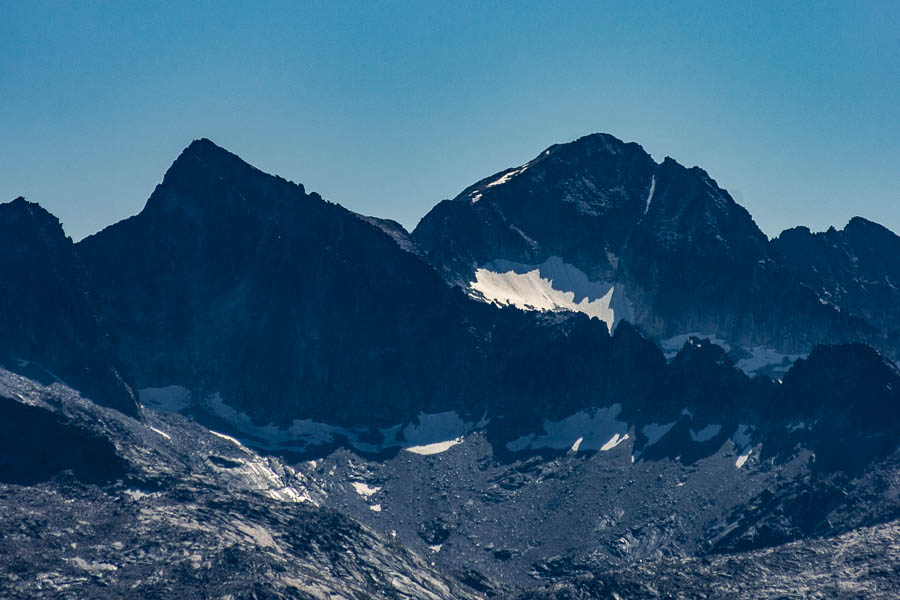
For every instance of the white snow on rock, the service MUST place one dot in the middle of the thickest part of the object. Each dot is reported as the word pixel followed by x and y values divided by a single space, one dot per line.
pixel 650 195
pixel 375 508
pixel 227 437
pixel 614 441
pixel 706 434
pixel 171 398
pixel 429 434
pixel 760 359
pixel 671 346
pixel 435 448
pixel 655 432
pixel 434 433
pixel 503 179
pixel 136 494
pixel 162 433
pixel 766 358
pixel 741 440
pixel 436 427
pixel 268 477
pixel 364 489
pixel 597 430
pixel 741 437
pixel 301 433
pixel 551 286
pixel 577 444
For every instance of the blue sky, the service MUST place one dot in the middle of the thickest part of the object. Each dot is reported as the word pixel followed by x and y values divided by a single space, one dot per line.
pixel 389 107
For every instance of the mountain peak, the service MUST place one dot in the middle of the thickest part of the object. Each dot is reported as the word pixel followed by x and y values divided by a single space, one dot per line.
pixel 27 218
pixel 208 176
pixel 206 148
pixel 593 144
pixel 863 226
pixel 204 153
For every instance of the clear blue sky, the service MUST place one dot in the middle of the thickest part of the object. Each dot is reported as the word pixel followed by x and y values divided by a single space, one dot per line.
pixel 388 107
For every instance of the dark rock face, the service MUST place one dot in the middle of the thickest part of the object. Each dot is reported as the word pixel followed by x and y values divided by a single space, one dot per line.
pixel 36 445
pixel 688 262
pixel 680 252
pixel 48 313
pixel 856 269
pixel 238 282
pixel 578 200
pixel 852 380
pixel 235 282
pixel 852 394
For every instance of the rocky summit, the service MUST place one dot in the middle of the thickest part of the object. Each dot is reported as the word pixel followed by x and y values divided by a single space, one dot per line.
pixel 597 226
pixel 589 376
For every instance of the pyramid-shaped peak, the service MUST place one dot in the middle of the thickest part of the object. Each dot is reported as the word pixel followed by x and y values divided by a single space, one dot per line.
pixel 203 163
pixel 204 146
pixel 206 152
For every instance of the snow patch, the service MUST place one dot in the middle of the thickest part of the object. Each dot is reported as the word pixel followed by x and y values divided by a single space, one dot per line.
pixel 550 286
pixel 597 430
pixel 671 346
pixel 650 195
pixel 365 490
pixel 577 444
pixel 742 440
pixel 762 358
pixel 503 179
pixel 136 494
pixel 375 508
pixel 614 441
pixel 706 434
pixel 741 437
pixel 435 448
pixel 171 398
pixel 162 433
pixel 429 434
pixel 436 427
pixel 228 438
pixel 301 434
pixel 655 432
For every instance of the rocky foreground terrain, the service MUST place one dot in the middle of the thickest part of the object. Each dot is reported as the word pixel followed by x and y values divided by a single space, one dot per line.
pixel 99 505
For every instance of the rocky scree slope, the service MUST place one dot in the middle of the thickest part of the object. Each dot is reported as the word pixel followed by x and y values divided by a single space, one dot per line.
pixel 165 508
